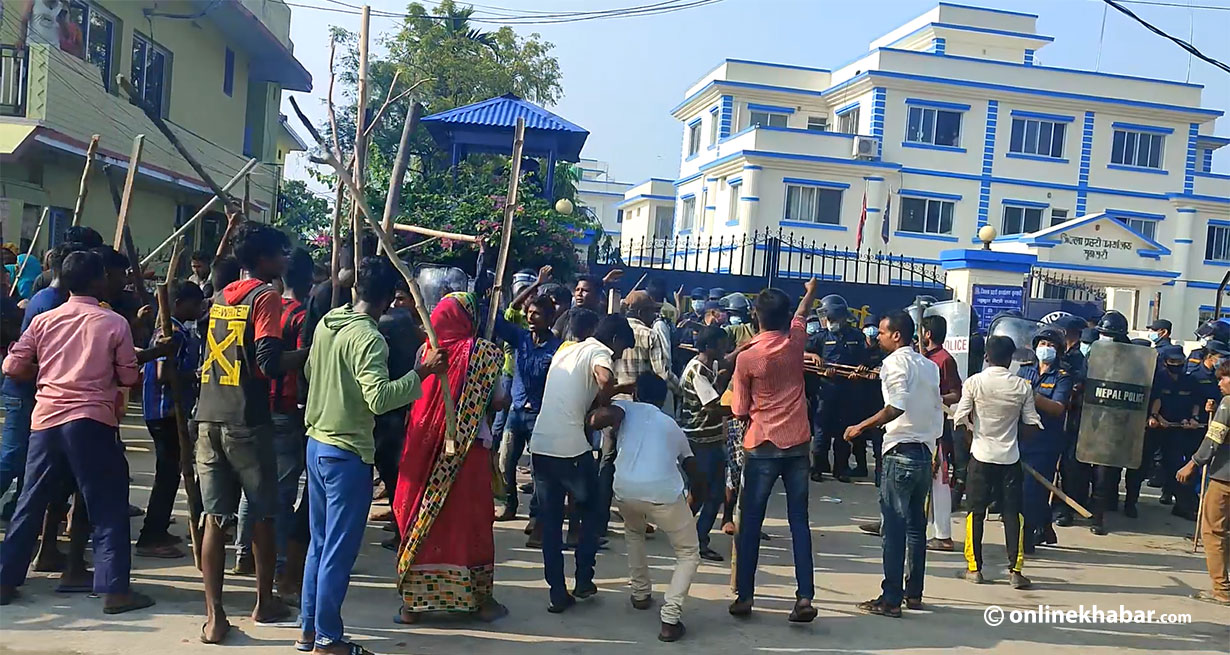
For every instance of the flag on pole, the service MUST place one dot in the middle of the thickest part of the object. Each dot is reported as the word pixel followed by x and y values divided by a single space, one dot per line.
pixel 884 217
pixel 862 220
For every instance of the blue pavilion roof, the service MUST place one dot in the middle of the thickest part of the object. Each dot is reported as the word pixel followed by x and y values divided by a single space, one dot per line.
pixel 488 126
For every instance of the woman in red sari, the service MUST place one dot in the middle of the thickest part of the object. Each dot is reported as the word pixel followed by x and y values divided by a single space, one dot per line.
pixel 443 502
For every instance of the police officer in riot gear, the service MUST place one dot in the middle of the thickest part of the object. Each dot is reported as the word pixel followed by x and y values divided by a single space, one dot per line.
pixel 1212 330
pixel 837 342
pixel 1053 391
pixel 1112 326
pixel 1074 474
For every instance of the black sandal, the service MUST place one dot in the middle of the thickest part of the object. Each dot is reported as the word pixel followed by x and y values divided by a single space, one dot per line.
pixel 136 601
pixel 802 613
pixel 878 606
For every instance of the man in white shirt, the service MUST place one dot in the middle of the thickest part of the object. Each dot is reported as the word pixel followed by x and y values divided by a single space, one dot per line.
pixel 997 401
pixel 649 488
pixel 913 418
pixel 580 376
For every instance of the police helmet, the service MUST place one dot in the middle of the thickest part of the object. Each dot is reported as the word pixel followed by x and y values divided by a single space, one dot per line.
pixel 735 302
pixel 1054 335
pixel 834 308
pixel 1216 330
pixel 1113 324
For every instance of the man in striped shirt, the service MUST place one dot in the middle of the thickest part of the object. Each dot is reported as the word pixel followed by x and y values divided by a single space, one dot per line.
pixel 700 416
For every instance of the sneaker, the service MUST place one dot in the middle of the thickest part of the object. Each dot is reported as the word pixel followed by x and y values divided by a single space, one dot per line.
pixel 1098 529
pixel 972 576
pixel 741 608
pixel 1167 499
pixel 672 631
pixel 816 476
pixel 583 591
pixel 870 528
pixel 710 555
pixel 1065 521
pixel 1019 581
pixel 642 603
pixel 560 608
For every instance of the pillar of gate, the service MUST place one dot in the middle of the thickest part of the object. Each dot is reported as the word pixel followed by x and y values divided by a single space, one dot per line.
pixel 986 269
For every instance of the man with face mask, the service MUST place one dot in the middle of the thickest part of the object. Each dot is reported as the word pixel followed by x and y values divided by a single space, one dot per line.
pixel 1053 390
pixel 1112 326
pixel 836 342
pixel 1159 333
pixel 1074 475
pixel 1173 409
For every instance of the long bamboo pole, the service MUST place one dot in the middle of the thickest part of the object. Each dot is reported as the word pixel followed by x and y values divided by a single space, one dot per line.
pixel 84 188
pixel 134 162
pixel 191 489
pixel 393 199
pixel 510 210
pixel 450 411
pixel 335 258
pixel 136 274
pixel 162 126
pixel 38 229
pixel 209 206
pixel 360 140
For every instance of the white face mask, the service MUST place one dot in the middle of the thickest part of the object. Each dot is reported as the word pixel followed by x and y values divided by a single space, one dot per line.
pixel 1046 354
pixel 1085 348
pixel 813 327
pixel 871 331
pixel 1105 337
pixel 736 320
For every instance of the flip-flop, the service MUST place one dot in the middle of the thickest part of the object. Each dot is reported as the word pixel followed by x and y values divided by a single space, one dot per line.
pixel 354 649
pixel 160 552
pixel 136 601
pixel 65 588
pixel 305 646
pixel 399 621
pixel 280 618
pixel 220 640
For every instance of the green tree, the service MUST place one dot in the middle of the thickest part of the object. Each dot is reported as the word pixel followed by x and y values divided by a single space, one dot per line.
pixel 456 64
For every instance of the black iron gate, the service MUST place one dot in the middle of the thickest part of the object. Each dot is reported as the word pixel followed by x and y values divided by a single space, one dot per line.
pixel 1050 292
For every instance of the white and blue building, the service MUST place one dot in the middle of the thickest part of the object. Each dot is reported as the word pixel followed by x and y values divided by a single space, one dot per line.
pixel 947 124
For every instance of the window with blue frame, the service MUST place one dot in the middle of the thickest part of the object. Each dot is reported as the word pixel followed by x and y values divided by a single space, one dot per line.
pixel 732 207
pixel 1133 148
pixel 1217 243
pixel 926 216
pixel 1021 220
pixel 1144 226
pixel 818 123
pixel 1031 136
pixel 228 72
pixel 694 138
pixel 767 119
pixel 663 222
pixel 687 213
pixel 809 204
pixel 151 72
pixel 939 127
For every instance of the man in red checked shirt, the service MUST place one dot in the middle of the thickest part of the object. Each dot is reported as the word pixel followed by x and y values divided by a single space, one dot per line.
pixel 768 394
pixel 934 331
pixel 244 350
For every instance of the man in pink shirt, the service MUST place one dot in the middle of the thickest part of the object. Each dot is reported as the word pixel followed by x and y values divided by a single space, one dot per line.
pixel 768 394
pixel 79 354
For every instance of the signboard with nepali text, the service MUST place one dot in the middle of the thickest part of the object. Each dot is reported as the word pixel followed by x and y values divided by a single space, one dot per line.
pixel 989 300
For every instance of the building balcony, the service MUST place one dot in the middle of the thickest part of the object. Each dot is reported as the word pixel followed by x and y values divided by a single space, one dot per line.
pixel 1211 184
pixel 51 100
pixel 790 141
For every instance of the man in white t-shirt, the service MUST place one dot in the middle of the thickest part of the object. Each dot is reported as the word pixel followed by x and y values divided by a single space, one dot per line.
pixel 913 418
pixel 580 377
pixel 997 401
pixel 649 488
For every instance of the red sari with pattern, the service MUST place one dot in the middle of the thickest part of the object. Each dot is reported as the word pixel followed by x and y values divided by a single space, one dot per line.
pixel 443 503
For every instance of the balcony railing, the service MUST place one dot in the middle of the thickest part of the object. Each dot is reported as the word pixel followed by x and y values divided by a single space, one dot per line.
pixel 14 65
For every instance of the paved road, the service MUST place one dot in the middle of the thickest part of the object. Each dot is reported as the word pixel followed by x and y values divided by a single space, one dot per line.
pixel 1145 565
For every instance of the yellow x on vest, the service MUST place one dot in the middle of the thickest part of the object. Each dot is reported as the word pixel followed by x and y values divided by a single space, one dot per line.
pixel 236 322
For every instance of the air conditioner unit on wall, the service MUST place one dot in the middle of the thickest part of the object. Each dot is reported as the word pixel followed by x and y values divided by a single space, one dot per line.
pixel 865 147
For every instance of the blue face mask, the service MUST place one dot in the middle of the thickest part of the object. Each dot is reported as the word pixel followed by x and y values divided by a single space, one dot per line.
pixel 1045 353
pixel 871 331
pixel 1085 348
pixel 1154 336
pixel 813 327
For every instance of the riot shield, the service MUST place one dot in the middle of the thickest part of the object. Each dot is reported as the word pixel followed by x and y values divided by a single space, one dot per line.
pixel 1021 331
pixel 958 317
pixel 438 281
pixel 1116 404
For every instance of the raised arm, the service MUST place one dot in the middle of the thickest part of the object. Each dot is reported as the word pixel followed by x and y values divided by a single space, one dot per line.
pixel 544 276
pixel 809 296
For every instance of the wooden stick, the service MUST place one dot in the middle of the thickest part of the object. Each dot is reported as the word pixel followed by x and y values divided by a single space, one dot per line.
pixel 335 258
pixel 84 188
pixel 38 229
pixel 1057 491
pixel 209 206
pixel 510 209
pixel 134 162
pixel 191 489
pixel 393 200
pixel 428 232
pixel 162 126
pixel 360 140
pixel 450 412
pixel 247 197
pixel 136 274
pixel 1204 485
pixel 177 251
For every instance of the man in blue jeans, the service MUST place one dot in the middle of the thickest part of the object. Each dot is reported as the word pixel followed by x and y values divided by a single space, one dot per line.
pixel 348 385
pixel 580 376
pixel 767 393
pixel 913 418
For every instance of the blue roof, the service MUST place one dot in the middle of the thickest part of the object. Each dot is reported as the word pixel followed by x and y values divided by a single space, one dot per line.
pixel 474 125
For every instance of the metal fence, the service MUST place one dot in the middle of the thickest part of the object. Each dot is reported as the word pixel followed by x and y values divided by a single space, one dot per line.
pixel 772 255
pixel 1048 285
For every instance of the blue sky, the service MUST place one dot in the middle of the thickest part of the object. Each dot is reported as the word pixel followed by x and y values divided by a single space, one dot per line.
pixel 621 77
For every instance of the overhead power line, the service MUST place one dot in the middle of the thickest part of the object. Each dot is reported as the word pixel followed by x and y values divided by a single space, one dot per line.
pixel 494 15
pixel 1181 43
